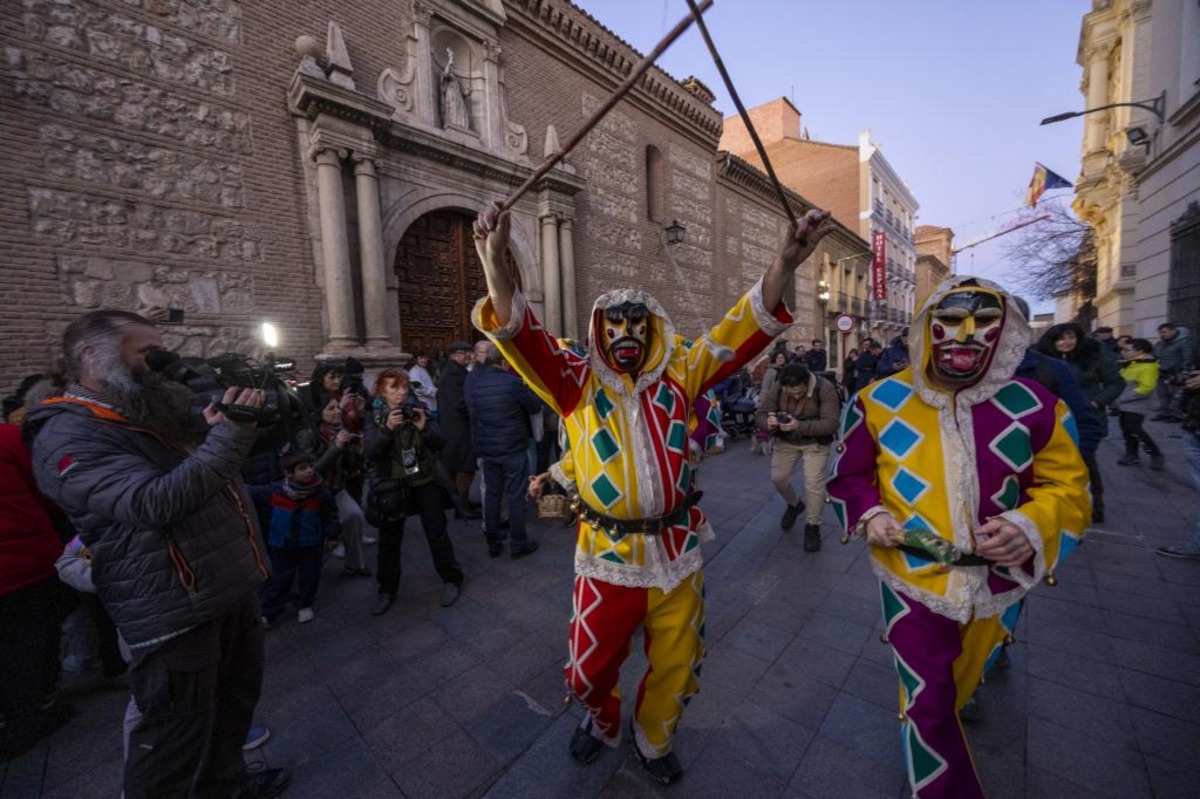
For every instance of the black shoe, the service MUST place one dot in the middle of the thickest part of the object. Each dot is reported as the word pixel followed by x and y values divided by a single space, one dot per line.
pixel 528 549
pixel 1097 515
pixel 382 604
pixel 265 784
pixel 350 571
pixel 495 550
pixel 468 514
pixel 584 748
pixel 1130 460
pixel 664 770
pixel 812 537
pixel 1160 417
pixel 791 514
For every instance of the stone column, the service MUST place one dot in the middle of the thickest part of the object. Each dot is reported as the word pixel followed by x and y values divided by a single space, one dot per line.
pixel 335 248
pixel 566 255
pixel 550 275
pixel 1096 125
pixel 370 238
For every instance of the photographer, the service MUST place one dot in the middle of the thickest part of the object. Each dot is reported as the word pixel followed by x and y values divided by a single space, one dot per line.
pixel 400 447
pixel 175 551
pixel 801 412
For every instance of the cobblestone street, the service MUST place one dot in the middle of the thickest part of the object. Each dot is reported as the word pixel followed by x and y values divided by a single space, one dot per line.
pixel 798 694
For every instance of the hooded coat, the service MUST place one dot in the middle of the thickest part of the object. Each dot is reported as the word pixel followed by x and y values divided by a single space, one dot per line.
pixel 946 461
pixel 628 436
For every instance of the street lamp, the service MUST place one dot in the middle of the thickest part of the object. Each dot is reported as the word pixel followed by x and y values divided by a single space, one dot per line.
pixel 1156 106
pixel 675 232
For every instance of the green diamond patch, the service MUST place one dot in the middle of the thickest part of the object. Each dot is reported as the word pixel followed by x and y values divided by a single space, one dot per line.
pixel 605 446
pixel 605 491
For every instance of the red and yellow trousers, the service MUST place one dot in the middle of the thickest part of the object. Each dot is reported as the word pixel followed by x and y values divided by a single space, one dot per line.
pixel 605 618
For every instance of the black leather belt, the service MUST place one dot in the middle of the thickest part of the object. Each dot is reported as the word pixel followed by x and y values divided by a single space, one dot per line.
pixel 619 528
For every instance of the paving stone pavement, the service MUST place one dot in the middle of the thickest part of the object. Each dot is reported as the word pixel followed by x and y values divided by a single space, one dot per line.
pixel 798 695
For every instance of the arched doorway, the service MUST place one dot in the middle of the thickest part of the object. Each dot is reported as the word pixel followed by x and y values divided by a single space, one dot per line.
pixel 439 279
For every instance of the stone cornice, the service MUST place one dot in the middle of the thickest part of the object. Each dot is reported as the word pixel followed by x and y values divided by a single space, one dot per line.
pixel 309 96
pixel 588 43
pixel 429 146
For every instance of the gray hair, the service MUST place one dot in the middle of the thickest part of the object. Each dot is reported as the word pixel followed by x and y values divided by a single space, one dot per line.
pixel 104 328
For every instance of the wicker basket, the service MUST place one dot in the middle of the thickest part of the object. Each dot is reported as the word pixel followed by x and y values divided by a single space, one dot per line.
pixel 553 506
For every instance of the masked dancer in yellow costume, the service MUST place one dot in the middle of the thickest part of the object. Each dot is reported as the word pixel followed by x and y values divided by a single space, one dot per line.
pixel 969 488
pixel 627 405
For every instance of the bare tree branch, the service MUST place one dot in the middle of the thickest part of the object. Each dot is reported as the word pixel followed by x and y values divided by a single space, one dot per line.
pixel 1052 256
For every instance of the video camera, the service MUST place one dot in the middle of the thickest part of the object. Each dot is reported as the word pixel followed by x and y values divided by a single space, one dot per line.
pixel 281 412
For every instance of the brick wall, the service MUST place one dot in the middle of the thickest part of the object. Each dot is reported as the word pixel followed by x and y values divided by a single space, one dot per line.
pixel 152 160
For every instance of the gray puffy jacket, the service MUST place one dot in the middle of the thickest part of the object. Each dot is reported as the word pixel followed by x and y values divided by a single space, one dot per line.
pixel 172 535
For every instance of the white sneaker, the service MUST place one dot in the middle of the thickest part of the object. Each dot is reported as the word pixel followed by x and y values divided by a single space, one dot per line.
pixel 339 551
pixel 305 615
pixel 367 540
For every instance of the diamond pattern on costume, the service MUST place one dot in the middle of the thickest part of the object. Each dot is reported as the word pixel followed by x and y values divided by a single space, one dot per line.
pixel 586 600
pixel 909 486
pixel 851 419
pixel 894 606
pixel 605 445
pixel 602 404
pixel 891 394
pixel 677 437
pixel 1009 494
pixel 910 682
pixel 839 511
pixel 899 438
pixel 685 476
pixel 664 398
pixel 1014 447
pixel 924 764
pixel 1016 400
pixel 606 491
pixel 1067 541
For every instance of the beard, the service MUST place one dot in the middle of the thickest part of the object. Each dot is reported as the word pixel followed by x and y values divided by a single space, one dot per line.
pixel 148 399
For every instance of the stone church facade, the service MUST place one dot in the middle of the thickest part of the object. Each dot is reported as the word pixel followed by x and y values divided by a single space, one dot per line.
pixel 318 165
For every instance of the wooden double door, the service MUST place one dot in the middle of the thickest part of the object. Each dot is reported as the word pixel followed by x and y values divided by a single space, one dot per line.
pixel 439 279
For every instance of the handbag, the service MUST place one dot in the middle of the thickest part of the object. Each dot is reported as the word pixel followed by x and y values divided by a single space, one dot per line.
pixel 390 499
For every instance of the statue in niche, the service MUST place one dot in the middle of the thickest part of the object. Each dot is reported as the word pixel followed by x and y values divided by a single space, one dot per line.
pixel 454 97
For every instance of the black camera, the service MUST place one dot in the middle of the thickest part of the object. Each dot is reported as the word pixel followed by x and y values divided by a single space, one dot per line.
pixel 783 418
pixel 208 379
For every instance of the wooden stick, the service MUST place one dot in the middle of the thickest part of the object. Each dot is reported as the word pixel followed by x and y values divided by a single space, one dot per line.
pixel 607 105
pixel 758 145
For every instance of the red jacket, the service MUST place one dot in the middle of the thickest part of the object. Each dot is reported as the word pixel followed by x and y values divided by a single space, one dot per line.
pixel 28 543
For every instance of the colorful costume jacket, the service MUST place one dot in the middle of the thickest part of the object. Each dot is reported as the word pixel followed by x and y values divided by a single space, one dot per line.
pixel 628 440
pixel 947 462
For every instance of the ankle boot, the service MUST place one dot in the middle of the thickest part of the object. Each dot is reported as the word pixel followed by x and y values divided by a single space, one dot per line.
pixel 1131 458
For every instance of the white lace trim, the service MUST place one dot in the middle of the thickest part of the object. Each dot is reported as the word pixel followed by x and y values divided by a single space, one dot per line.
pixel 860 527
pixel 762 314
pixel 559 476
pixel 660 573
pixel 515 320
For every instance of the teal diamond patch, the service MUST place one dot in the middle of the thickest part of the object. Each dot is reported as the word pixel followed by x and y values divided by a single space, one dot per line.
pixel 603 404
pixel 677 437
pixel 850 419
pixel 1009 494
pixel 665 398
pixel 605 446
pixel 1016 400
pixel 685 476
pixel 1013 447
pixel 605 491
pixel 899 438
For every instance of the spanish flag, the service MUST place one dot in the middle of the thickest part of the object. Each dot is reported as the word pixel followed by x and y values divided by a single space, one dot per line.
pixel 1043 180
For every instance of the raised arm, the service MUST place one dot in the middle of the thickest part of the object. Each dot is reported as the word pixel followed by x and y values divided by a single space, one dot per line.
pixel 801 240
pixel 491 242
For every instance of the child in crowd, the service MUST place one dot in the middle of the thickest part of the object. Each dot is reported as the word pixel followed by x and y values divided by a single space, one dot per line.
pixel 1139 370
pixel 303 516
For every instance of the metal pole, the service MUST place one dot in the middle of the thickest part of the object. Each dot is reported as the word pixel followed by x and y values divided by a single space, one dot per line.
pixel 607 105
pixel 758 145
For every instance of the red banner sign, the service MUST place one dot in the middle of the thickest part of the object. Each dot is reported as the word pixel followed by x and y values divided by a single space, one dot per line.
pixel 879 265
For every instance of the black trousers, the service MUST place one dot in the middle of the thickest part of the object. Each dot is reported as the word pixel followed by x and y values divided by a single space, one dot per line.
pixel 431 509
pixel 197 694
pixel 299 564
pixel 1131 429
pixel 30 623
pixel 1096 479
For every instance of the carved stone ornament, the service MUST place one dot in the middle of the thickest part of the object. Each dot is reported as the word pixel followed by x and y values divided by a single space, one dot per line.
pixel 396 87
pixel 338 60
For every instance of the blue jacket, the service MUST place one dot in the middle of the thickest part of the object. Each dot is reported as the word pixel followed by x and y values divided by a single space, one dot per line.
pixel 500 405
pixel 892 359
pixel 301 523
pixel 1057 376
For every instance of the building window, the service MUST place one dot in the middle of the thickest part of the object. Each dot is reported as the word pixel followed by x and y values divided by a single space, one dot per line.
pixel 655 200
